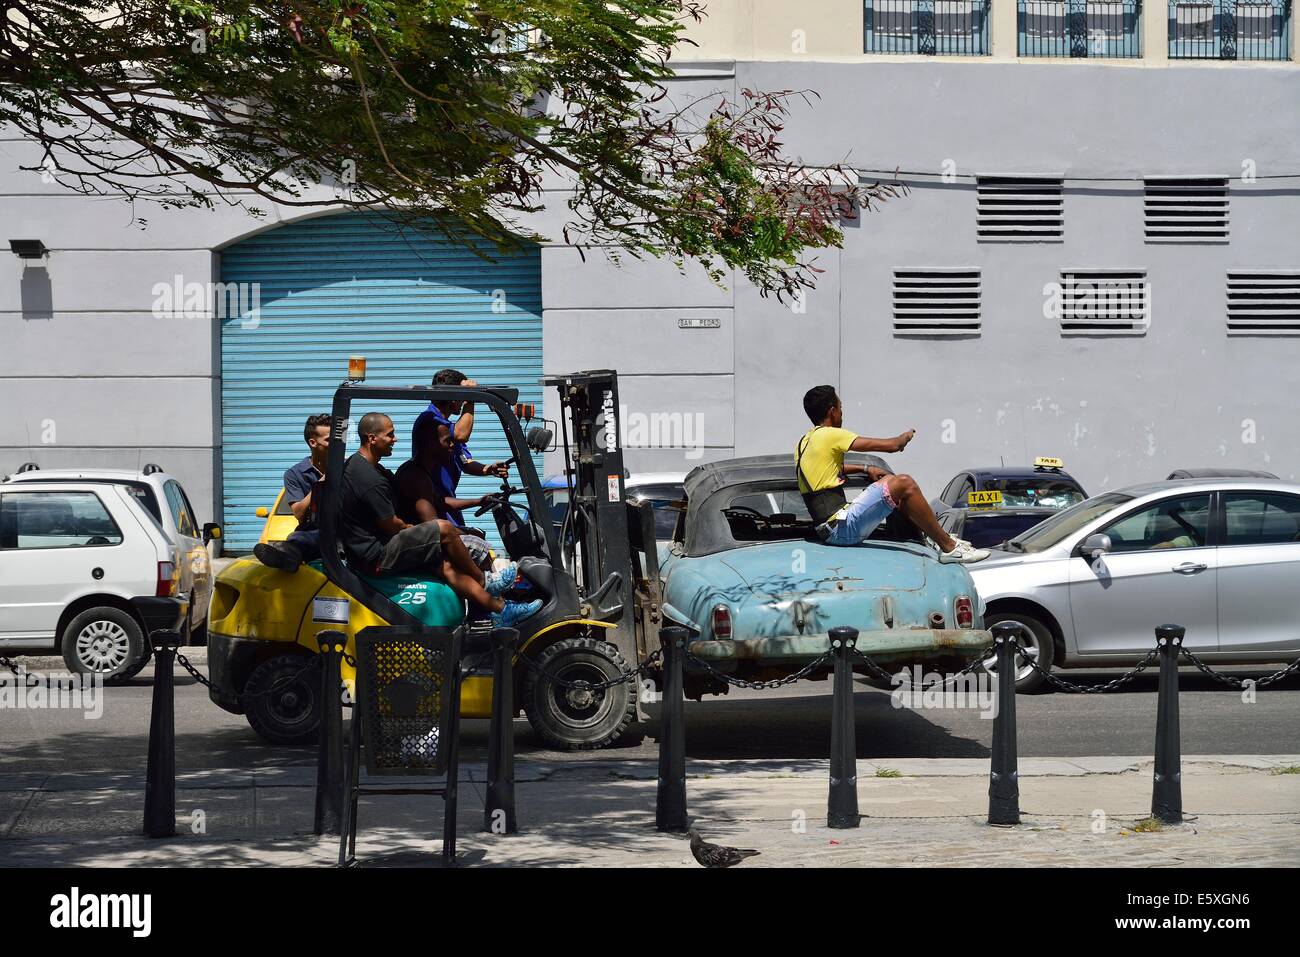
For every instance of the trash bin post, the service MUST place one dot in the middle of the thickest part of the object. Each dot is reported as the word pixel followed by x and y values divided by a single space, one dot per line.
pixel 1167 790
pixel 670 802
pixel 160 770
pixel 499 807
pixel 329 752
pixel 842 801
pixel 1004 774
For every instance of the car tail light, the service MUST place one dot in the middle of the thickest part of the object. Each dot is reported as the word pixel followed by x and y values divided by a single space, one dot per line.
pixel 166 580
pixel 965 612
pixel 721 622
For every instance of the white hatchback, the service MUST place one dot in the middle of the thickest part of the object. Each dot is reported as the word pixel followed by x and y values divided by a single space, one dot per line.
pixel 165 499
pixel 85 570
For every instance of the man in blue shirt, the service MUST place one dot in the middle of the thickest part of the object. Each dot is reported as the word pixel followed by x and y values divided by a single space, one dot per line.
pixel 300 480
pixel 461 461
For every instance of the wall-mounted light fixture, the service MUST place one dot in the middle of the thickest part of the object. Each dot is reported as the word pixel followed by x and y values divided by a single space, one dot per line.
pixel 28 248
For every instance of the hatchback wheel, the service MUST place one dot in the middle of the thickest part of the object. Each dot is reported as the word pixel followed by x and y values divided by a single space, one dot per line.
pixel 105 641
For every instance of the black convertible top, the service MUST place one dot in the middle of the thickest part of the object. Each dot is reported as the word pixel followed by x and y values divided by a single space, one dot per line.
pixel 707 530
pixel 704 480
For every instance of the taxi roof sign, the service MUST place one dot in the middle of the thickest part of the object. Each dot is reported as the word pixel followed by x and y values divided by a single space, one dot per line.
pixel 1047 462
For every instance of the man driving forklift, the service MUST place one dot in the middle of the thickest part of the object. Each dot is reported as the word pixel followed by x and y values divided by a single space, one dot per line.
pixel 426 492
pixel 378 542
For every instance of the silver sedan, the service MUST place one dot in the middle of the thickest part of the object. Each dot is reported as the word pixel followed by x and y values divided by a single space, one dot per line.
pixel 1220 557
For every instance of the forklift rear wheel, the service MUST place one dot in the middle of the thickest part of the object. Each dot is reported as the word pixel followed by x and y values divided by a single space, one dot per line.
pixel 291 713
pixel 576 719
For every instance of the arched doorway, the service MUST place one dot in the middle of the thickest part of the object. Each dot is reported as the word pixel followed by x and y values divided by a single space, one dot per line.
pixel 356 284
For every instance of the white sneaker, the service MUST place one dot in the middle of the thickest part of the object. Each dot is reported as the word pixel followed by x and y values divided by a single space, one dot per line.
pixel 964 552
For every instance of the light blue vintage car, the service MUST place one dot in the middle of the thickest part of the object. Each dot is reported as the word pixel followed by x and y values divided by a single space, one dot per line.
pixel 745 573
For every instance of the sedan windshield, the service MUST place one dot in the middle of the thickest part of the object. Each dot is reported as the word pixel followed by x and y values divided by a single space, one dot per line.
pixel 1066 523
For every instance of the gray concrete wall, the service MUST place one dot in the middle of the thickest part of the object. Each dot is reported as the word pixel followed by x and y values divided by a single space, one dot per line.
pixel 79 346
pixel 1117 409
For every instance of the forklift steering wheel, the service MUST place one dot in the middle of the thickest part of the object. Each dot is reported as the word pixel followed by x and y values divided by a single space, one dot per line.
pixel 495 500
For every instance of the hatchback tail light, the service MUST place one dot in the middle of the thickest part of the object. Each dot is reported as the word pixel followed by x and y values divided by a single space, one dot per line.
pixel 166 580
pixel 965 609
pixel 721 622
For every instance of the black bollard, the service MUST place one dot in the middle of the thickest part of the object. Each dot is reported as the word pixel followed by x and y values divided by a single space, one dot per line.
pixel 160 772
pixel 499 807
pixel 670 798
pixel 1004 775
pixel 842 802
pixel 1167 792
pixel 329 751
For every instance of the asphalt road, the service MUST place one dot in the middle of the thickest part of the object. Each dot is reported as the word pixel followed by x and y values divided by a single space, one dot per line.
pixel 793 722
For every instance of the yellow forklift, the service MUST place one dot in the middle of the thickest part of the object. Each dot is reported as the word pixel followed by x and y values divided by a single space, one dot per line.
pixel 263 622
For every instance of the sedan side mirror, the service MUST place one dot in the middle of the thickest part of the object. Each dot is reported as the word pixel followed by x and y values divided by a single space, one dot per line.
pixel 1095 546
pixel 210 531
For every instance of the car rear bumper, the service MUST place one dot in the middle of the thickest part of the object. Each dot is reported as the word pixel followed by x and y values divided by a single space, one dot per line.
pixel 884 646
pixel 162 613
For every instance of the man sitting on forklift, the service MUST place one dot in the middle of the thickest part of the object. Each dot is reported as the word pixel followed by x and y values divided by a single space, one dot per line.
pixel 377 542
pixel 423 482
pixel 300 480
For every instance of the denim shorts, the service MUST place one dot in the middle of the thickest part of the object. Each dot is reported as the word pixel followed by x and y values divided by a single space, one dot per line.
pixel 858 519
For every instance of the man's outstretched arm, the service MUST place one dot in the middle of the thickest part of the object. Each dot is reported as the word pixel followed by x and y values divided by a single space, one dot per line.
pixel 865 443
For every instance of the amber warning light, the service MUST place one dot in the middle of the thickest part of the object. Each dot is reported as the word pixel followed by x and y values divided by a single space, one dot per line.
pixel 357 368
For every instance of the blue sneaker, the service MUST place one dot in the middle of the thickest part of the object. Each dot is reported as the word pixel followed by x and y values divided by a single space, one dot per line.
pixel 499 582
pixel 515 612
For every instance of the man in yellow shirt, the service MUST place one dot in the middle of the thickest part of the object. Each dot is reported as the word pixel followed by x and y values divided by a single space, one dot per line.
pixel 819 463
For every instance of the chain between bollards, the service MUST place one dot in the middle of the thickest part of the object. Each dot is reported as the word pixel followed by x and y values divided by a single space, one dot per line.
pixel 670 795
pixel 1167 788
pixel 842 800
pixel 499 806
pixel 1004 771
pixel 328 817
pixel 160 772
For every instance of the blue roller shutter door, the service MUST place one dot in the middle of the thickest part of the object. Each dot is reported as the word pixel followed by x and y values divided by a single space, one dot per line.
pixel 353 284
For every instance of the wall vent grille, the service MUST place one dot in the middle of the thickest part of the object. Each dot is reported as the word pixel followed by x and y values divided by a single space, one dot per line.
pixel 1104 302
pixel 936 301
pixel 1264 303
pixel 1016 209
pixel 1186 210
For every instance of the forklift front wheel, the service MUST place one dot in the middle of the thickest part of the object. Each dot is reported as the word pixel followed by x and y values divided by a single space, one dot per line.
pixel 577 719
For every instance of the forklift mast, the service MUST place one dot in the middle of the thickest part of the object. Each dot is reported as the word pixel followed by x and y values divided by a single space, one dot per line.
pixel 597 520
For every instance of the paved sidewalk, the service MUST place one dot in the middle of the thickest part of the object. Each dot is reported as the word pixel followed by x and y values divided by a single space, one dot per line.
pixel 1075 812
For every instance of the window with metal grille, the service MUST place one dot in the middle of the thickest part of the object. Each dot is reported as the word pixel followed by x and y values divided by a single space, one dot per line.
pixel 1230 29
pixel 942 27
pixel 1186 210
pixel 1018 209
pixel 936 301
pixel 1264 303
pixel 1079 28
pixel 1103 301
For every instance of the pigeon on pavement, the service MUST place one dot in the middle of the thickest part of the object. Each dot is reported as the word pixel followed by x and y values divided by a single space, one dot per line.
pixel 715 855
